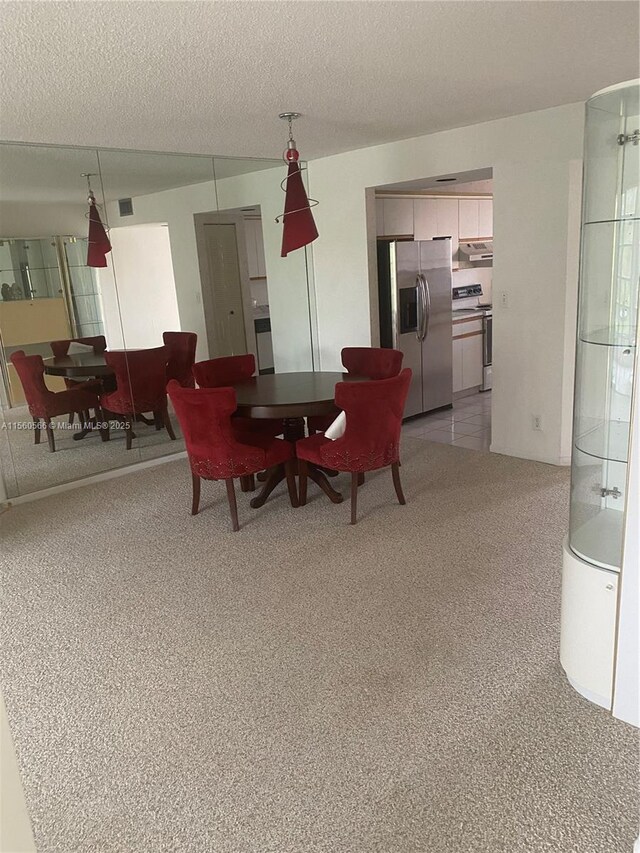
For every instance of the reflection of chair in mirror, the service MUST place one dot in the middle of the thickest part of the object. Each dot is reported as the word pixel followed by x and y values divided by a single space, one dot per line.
pixel 181 347
pixel 141 382
pixel 217 451
pixel 60 350
pixel 45 404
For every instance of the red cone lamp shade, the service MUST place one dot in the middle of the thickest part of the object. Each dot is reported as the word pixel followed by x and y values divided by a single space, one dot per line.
pixel 99 244
pixel 299 227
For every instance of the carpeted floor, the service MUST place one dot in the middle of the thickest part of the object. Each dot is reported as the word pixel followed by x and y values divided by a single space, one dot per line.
pixel 304 686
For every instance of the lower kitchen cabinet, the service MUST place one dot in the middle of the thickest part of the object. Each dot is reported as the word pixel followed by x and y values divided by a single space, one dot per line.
pixel 467 361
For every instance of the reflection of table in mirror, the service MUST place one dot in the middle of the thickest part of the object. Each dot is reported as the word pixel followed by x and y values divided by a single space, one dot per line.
pixel 78 366
pixel 291 397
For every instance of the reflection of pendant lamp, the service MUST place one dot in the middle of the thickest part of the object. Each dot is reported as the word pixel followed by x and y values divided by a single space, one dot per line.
pixel 98 243
pixel 299 229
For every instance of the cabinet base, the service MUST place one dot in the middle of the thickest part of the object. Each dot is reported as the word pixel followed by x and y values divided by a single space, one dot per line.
pixel 587 628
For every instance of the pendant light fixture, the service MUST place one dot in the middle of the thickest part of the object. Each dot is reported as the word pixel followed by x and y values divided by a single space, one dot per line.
pixel 299 228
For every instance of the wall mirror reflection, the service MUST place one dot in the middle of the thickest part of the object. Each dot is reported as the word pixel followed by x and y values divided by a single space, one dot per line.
pixel 194 272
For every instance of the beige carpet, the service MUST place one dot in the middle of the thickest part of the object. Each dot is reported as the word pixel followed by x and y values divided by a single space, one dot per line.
pixel 304 686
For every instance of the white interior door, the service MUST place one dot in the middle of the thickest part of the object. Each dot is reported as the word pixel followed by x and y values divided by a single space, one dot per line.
pixel 225 284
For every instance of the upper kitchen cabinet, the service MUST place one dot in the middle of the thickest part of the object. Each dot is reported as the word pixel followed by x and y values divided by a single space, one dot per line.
pixel 397 217
pixel 425 218
pixel 476 218
pixel 436 217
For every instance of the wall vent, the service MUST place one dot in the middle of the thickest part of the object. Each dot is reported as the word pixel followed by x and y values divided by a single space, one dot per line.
pixel 126 206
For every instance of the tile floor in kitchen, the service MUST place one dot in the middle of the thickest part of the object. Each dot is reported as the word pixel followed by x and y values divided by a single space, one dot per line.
pixel 467 424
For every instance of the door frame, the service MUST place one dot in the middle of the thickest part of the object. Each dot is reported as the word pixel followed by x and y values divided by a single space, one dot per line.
pixel 206 283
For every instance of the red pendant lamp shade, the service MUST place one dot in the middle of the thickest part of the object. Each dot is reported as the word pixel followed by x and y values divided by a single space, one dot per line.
pixel 99 244
pixel 299 226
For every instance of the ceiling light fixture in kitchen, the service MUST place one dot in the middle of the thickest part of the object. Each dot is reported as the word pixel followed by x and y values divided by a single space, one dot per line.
pixel 299 228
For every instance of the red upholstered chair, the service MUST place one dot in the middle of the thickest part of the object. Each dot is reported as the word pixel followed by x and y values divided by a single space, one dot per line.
pixel 45 404
pixel 371 439
pixel 213 447
pixel 372 362
pixel 182 354
pixel 140 387
pixel 61 348
pixel 224 372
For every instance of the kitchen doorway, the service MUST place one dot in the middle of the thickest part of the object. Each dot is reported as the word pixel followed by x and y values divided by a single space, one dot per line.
pixel 453 211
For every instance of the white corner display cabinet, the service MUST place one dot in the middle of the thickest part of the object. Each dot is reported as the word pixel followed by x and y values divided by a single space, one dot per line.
pixel 607 338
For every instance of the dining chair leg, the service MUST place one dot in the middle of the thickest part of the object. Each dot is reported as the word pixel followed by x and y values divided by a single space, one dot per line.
pixel 104 423
pixel 354 496
pixel 395 472
pixel 71 418
pixel 291 483
pixel 37 425
pixel 244 483
pixel 167 422
pixel 158 420
pixel 48 425
pixel 195 499
pixel 128 428
pixel 361 478
pixel 303 470
pixel 233 506
pixel 252 482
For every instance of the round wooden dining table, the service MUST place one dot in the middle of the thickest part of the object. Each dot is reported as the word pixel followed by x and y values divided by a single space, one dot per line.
pixel 291 397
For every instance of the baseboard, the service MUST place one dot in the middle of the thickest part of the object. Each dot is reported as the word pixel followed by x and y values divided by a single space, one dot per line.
pixel 94 478
pixel 560 461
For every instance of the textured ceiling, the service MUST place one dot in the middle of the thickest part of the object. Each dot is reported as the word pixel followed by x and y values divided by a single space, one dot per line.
pixel 211 77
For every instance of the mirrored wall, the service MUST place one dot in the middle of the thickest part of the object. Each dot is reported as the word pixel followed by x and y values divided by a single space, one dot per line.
pixel 195 248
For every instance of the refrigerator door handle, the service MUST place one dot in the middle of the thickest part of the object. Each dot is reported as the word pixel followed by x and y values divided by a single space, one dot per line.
pixel 421 306
pixel 427 307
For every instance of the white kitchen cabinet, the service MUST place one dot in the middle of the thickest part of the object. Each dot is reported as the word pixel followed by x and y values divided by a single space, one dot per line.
pixel 457 365
pixel 467 353
pixel 425 219
pixel 398 217
pixel 472 361
pixel 380 217
pixel 485 217
pixel 448 221
pixel 468 210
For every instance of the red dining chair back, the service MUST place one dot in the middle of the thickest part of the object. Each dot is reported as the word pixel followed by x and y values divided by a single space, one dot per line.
pixel 371 440
pixel 181 347
pixel 61 348
pixel 372 362
pixel 214 451
pixel 140 386
pixel 226 371
pixel 45 404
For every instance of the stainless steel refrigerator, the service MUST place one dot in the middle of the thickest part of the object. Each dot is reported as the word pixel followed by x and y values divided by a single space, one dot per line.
pixel 414 283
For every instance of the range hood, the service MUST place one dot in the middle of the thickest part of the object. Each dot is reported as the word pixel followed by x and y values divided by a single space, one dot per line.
pixel 480 250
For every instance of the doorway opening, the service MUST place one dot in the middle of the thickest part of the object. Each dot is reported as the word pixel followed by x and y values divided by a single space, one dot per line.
pixel 234 284
pixel 434 239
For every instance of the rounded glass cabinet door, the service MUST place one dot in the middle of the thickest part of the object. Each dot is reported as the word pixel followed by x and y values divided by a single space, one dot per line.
pixel 606 349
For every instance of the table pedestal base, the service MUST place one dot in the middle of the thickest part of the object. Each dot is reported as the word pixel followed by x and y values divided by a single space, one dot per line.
pixel 294 430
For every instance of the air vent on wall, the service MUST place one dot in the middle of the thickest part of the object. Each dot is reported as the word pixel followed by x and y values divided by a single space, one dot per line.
pixel 126 206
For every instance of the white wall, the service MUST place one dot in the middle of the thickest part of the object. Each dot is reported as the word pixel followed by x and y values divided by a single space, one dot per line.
pixel 27 219
pixel 137 289
pixel 534 158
